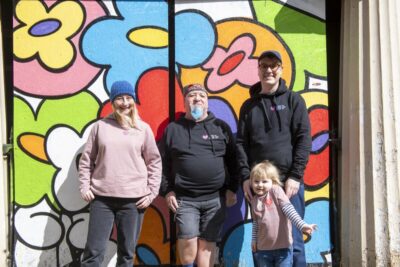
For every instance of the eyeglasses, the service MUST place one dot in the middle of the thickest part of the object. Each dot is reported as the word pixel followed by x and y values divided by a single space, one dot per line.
pixel 273 66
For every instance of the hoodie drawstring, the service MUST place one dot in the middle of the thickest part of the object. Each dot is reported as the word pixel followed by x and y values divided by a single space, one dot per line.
pixel 269 125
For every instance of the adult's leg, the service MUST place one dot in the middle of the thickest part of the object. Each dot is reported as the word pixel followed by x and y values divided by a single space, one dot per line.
pixel 299 258
pixel 128 220
pixel 206 253
pixel 187 222
pixel 211 223
pixel 100 225
pixel 187 249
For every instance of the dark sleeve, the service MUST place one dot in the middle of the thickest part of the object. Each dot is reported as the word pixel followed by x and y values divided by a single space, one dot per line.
pixel 301 137
pixel 232 182
pixel 167 182
pixel 242 145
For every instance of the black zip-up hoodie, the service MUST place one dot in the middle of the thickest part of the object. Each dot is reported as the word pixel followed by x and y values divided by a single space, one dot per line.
pixel 274 127
pixel 198 158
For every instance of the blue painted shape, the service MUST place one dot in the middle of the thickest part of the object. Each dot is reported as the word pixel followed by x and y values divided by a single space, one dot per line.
pixel 237 247
pixel 45 27
pixel 147 256
pixel 319 142
pixel 222 111
pixel 318 213
pixel 200 44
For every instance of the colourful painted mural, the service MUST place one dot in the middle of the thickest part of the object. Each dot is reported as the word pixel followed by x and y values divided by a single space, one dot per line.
pixel 68 53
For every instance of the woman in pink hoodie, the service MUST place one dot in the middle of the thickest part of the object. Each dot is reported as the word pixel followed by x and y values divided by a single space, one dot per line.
pixel 120 175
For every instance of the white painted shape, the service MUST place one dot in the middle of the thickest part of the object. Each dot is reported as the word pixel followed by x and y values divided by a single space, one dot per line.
pixel 110 7
pixel 34 102
pixel 63 145
pixel 315 83
pixel 25 256
pixel 38 230
pixel 217 10
pixel 314 7
pixel 98 89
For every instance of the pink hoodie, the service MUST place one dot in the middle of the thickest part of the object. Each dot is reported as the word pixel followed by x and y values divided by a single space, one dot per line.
pixel 119 162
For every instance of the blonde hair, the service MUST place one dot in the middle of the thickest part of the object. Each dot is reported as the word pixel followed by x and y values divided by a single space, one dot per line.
pixel 130 119
pixel 266 169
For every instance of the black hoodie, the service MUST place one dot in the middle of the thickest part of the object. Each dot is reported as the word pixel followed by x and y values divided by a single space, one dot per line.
pixel 274 127
pixel 198 158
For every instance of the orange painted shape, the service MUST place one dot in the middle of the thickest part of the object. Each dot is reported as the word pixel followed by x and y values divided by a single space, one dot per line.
pixel 33 145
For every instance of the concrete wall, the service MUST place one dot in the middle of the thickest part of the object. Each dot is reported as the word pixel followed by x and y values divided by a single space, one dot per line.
pixel 66 56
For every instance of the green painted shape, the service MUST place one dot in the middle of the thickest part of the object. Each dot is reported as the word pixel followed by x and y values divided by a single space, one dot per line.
pixel 33 179
pixel 304 35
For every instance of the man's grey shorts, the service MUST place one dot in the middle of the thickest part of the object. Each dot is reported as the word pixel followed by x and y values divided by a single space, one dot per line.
pixel 203 219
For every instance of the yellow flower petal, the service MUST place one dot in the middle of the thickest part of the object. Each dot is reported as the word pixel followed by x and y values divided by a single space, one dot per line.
pixel 56 52
pixel 29 12
pixel 23 44
pixel 149 37
pixel 63 11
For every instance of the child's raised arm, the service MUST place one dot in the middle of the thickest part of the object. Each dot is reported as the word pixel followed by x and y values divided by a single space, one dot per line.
pixel 295 218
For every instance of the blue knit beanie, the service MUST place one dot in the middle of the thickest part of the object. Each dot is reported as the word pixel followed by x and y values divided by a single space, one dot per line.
pixel 121 88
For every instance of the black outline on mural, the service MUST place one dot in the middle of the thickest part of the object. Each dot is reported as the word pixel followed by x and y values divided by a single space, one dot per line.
pixel 63 231
pixel 68 39
pixel 146 27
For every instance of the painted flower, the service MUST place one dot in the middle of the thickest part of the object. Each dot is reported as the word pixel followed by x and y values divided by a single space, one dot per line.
pixel 47 59
pixel 57 232
pixel 52 234
pixel 234 65
pixel 137 40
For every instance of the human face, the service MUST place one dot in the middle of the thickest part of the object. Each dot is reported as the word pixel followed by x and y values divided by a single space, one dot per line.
pixel 269 71
pixel 261 185
pixel 199 99
pixel 123 104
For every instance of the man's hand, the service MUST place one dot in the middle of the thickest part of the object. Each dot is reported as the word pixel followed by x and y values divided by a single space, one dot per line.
pixel 171 201
pixel 143 203
pixel 291 187
pixel 231 198
pixel 247 190
pixel 87 196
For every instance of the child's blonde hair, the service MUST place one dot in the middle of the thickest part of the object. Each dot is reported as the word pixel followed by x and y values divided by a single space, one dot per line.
pixel 266 169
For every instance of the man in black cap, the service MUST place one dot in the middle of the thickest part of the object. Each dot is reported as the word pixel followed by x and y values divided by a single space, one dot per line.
pixel 274 125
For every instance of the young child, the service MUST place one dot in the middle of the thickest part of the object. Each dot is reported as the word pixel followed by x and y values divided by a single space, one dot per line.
pixel 272 213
